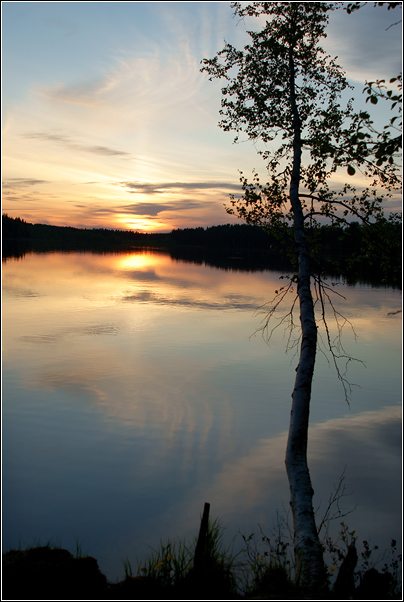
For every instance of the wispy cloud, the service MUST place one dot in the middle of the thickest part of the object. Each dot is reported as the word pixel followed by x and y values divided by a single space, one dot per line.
pixel 127 126
pixel 128 110
pixel 134 89
pixel 227 302
pixel 22 189
pixel 22 182
pixel 86 93
pixel 68 142
pixel 157 188
pixel 153 209
pixel 147 209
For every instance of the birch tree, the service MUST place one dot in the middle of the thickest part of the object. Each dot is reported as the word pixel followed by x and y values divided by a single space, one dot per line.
pixel 284 93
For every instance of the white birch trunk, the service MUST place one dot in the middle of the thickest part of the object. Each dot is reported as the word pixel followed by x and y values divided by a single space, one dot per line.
pixel 308 550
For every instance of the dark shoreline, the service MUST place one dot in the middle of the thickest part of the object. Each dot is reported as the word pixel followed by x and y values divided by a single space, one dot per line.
pixel 367 254
pixel 46 573
pixel 239 259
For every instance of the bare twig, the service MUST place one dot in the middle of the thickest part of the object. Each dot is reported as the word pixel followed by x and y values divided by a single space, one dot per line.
pixel 287 318
pixel 333 510
pixel 334 345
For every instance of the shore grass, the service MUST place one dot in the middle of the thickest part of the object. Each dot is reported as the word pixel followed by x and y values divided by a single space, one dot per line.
pixel 262 568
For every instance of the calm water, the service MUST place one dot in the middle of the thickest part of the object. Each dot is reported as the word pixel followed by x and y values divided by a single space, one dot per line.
pixel 135 389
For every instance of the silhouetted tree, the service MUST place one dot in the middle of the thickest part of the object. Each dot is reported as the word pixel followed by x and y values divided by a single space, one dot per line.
pixel 283 88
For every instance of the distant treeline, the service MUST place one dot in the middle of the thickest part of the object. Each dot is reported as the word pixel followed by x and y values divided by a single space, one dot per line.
pixel 369 253
pixel 17 228
pixel 238 236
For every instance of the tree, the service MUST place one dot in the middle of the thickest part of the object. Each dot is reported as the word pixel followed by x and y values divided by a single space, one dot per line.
pixel 283 88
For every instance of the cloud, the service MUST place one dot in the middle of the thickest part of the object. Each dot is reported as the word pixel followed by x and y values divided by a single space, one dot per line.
pixel 87 93
pixel 352 38
pixel 150 188
pixel 22 182
pixel 68 142
pixel 367 444
pixel 21 190
pixel 147 209
pixel 137 87
pixel 153 209
pixel 103 150
pixel 239 302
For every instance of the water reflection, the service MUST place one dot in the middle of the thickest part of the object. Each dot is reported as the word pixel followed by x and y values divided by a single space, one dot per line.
pixel 134 391
pixel 335 444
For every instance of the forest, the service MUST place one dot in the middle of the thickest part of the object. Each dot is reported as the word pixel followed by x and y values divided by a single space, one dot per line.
pixel 358 252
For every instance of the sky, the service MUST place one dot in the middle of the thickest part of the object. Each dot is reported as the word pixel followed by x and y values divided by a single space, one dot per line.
pixel 108 122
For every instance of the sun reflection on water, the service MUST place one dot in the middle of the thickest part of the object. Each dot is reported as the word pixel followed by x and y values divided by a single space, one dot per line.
pixel 143 375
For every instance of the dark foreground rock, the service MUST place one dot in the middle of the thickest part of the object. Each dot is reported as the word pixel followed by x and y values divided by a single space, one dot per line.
pixel 46 573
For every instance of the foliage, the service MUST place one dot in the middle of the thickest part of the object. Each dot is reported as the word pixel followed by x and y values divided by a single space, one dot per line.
pixel 264 567
pixel 255 100
pixel 167 565
pixel 285 93
pixel 370 558
pixel 385 146
pixel 352 6
pixel 269 561
pixel 172 564
pixel 79 553
pixel 388 142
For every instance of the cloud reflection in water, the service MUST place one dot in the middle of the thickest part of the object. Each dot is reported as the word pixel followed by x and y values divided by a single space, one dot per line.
pixel 134 392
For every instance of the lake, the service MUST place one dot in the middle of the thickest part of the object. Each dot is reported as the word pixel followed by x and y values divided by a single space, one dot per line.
pixel 136 387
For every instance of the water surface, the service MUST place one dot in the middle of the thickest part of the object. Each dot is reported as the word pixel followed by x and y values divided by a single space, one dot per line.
pixel 136 387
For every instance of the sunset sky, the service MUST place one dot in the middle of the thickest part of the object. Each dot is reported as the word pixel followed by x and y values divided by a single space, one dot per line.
pixel 108 122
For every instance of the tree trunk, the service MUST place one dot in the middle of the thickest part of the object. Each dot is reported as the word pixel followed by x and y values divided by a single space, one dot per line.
pixel 308 551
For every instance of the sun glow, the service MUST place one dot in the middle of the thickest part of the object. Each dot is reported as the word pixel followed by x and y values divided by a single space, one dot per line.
pixel 143 224
pixel 140 261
